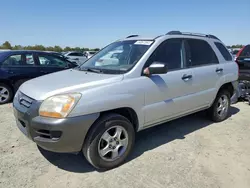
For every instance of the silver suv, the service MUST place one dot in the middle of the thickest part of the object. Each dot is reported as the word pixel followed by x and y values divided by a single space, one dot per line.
pixel 98 107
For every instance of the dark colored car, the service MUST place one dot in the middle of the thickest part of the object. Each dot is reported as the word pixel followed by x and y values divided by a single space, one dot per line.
pixel 243 60
pixel 16 67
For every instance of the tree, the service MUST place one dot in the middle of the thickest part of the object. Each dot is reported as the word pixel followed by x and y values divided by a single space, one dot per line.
pixel 96 49
pixel 67 49
pixel 58 49
pixel 17 47
pixel 6 45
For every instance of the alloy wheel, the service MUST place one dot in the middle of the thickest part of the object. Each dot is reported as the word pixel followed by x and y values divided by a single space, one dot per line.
pixel 113 143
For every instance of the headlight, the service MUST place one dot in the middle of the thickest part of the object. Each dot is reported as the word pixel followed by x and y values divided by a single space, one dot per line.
pixel 59 106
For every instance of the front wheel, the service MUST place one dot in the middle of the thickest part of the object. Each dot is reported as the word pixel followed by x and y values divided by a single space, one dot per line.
pixel 219 111
pixel 109 141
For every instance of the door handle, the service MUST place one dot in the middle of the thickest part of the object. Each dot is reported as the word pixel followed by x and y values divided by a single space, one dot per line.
pixel 76 59
pixel 186 77
pixel 10 72
pixel 219 70
pixel 43 72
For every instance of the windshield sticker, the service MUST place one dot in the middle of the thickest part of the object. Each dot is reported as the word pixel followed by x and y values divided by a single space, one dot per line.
pixel 143 42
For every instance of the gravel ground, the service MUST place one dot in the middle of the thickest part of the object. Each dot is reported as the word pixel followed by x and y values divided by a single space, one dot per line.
pixel 189 152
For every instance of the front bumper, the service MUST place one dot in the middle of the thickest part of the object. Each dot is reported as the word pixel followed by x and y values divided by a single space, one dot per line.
pixel 58 135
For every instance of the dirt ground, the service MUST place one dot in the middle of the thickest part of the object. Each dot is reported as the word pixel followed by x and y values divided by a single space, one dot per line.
pixel 189 152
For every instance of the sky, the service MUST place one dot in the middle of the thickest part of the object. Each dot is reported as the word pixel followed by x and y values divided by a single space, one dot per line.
pixel 97 23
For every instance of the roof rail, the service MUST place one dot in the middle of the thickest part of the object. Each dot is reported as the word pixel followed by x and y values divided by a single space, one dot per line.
pixel 158 36
pixel 132 36
pixel 192 34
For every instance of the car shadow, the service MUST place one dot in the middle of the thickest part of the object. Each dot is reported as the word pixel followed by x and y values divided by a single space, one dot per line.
pixel 146 140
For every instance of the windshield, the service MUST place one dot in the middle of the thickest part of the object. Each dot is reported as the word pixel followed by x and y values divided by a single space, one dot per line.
pixel 119 57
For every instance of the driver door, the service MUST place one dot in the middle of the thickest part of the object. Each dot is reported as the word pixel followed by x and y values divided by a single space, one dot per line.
pixel 169 95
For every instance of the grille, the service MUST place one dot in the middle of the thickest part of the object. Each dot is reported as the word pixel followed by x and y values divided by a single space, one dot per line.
pixel 24 100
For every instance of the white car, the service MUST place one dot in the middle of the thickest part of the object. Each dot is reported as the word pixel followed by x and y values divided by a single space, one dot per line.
pixel 111 58
pixel 77 57
pixel 89 54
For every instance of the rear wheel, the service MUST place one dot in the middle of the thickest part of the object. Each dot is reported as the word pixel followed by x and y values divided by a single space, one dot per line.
pixel 109 142
pixel 6 94
pixel 219 111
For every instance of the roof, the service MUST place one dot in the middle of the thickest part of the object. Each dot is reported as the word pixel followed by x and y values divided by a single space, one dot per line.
pixel 173 34
pixel 24 51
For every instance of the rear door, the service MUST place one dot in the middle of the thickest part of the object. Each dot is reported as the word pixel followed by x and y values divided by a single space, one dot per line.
pixel 207 72
pixel 49 63
pixel 21 67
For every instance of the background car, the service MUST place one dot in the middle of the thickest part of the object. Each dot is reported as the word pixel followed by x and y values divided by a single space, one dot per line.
pixel 89 54
pixel 16 67
pixel 77 57
pixel 111 58
pixel 234 52
pixel 243 60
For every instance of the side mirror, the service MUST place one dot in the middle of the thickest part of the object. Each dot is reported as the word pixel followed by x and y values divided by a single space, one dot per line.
pixel 155 68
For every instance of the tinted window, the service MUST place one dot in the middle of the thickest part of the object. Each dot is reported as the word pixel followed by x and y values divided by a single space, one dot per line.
pixel 48 60
pixel 199 52
pixel 75 54
pixel 245 51
pixel 13 60
pixel 29 59
pixel 224 52
pixel 169 53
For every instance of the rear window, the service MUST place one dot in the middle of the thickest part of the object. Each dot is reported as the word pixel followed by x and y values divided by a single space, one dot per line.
pixel 224 52
pixel 245 51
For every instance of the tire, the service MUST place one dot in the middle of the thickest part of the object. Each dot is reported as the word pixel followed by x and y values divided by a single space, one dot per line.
pixel 214 112
pixel 6 94
pixel 18 84
pixel 94 143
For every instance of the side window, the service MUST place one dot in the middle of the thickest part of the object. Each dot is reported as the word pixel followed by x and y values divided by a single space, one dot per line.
pixel 199 53
pixel 75 54
pixel 224 52
pixel 29 59
pixel 169 53
pixel 52 61
pixel 14 60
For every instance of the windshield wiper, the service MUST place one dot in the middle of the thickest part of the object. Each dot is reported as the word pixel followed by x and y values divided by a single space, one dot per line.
pixel 91 70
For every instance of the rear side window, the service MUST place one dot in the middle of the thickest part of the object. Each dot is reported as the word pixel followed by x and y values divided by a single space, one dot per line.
pixel 29 59
pixel 245 51
pixel 52 61
pixel 199 53
pixel 75 54
pixel 224 52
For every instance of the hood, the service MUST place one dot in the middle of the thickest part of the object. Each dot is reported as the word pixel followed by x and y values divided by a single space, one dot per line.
pixel 66 81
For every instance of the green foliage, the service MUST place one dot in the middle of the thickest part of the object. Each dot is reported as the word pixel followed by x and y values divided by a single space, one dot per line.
pixel 237 46
pixel 7 45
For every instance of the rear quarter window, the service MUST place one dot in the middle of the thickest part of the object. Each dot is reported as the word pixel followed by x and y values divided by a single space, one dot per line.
pixel 224 52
